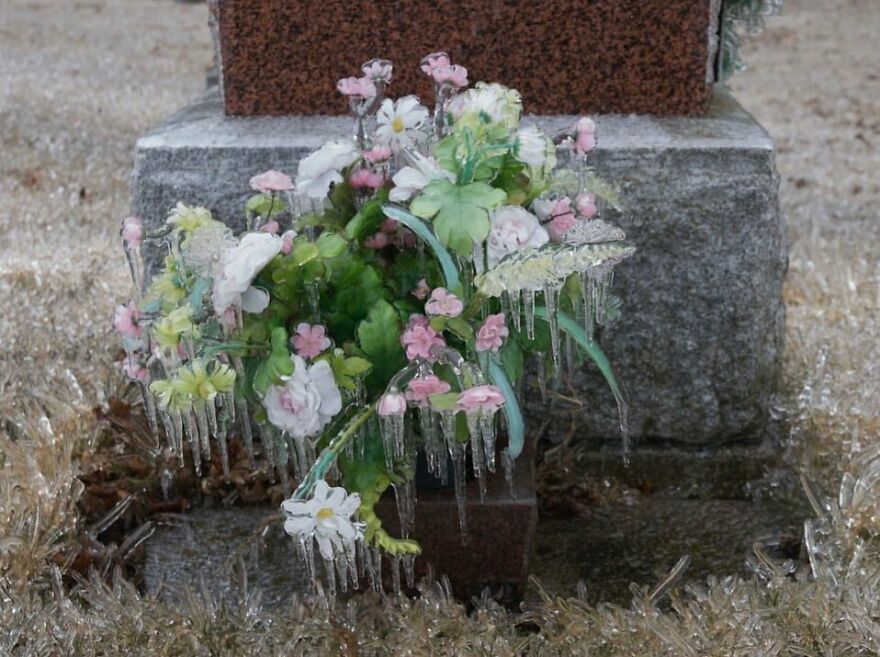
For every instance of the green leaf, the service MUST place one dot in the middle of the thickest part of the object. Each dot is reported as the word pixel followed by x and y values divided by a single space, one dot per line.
pixel 460 212
pixel 512 359
pixel 356 287
pixel 379 340
pixel 516 426
pixel 447 401
pixel 331 245
pixel 262 205
pixel 416 225
pixel 461 328
pixel 354 366
pixel 366 221
pixel 304 252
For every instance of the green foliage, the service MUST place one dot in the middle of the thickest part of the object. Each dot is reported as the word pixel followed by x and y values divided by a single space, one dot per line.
pixel 379 340
pixel 356 286
pixel 278 364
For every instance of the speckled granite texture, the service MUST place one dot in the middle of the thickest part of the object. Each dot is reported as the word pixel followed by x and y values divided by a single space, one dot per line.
pixel 565 56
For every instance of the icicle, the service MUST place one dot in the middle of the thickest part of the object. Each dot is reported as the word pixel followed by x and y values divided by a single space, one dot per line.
pixel 202 424
pixel 330 573
pixel 515 310
pixel 304 462
pixel 588 307
pixel 281 466
pixel 177 435
pixel 435 448
pixel 457 453
pixel 166 482
pixel 150 411
pixel 307 554
pixel 341 571
pixel 314 300
pixel 192 434
pixel 529 310
pixel 241 410
pixel 487 431
pixel 267 438
pixel 551 300
pixel 376 554
pixel 508 465
pixel 409 562
pixel 392 438
pixel 366 557
pixel 395 575
pixel 602 281
pixel 478 455
pixel 223 448
pixel 352 563
pixel 623 417
pixel 169 431
pixel 405 497
pixel 229 404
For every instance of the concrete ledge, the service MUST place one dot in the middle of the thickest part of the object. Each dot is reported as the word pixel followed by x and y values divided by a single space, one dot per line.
pixel 700 341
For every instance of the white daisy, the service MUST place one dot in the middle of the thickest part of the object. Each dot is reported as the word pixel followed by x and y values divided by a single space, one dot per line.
pixel 400 122
pixel 326 517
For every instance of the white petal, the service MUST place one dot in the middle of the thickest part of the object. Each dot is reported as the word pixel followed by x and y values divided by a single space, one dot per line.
pixel 301 526
pixel 325 545
pixel 322 489
pixel 254 300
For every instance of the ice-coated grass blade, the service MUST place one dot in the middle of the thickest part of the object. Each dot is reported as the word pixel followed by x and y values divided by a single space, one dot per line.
pixel 516 427
pixel 421 229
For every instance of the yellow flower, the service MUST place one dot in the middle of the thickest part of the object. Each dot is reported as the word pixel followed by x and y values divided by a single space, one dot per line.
pixel 165 390
pixel 196 382
pixel 187 219
pixel 170 328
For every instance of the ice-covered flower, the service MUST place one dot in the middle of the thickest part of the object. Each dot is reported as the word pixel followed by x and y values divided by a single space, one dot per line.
pixel 187 219
pixel 125 320
pixel 132 232
pixel 202 250
pixel 363 88
pixel 391 403
pixel 585 135
pixel 419 337
pixel 586 205
pixel 310 340
pixel 421 289
pixel 271 181
pixel 306 402
pixel 400 122
pixel 493 332
pixel 412 179
pixel 480 399
pixel 361 178
pixel 493 103
pixel 531 146
pixel 320 169
pixel 444 302
pixel 513 229
pixel 434 60
pixel 287 241
pixel 455 75
pixel 270 227
pixel 377 154
pixel 237 269
pixel 556 216
pixel 326 517
pixel 419 390
pixel 378 70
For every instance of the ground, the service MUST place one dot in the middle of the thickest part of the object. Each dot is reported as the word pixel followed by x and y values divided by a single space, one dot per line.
pixel 80 81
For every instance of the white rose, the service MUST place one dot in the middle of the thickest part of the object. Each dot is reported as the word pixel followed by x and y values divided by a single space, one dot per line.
pixel 531 146
pixel 318 170
pixel 237 269
pixel 411 180
pixel 497 102
pixel 306 402
pixel 513 229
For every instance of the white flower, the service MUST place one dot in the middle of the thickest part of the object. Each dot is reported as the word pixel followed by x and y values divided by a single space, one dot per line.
pixel 531 146
pixel 410 180
pixel 237 269
pixel 493 102
pixel 202 251
pixel 400 122
pixel 306 402
pixel 320 169
pixel 513 229
pixel 326 517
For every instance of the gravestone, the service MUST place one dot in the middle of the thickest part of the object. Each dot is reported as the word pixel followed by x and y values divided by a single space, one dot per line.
pixel 564 56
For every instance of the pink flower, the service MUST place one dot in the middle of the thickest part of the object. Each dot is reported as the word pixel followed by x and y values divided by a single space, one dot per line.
pixel 556 216
pixel 310 340
pixel 356 87
pixel 125 320
pixel 228 319
pixel 378 70
pixel 287 241
pixel 492 333
pixel 378 153
pixel 134 369
pixel 133 232
pixel 443 302
pixel 270 227
pixel 391 403
pixel 419 337
pixel 366 178
pixel 378 241
pixel 586 205
pixel 585 135
pixel 421 290
pixel 480 399
pixel 454 75
pixel 271 181
pixel 434 60
pixel 389 226
pixel 419 390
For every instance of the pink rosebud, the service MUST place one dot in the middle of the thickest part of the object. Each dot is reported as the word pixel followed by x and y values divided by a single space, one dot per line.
pixel 454 75
pixel 309 340
pixel 389 226
pixel 378 153
pixel 480 399
pixel 585 135
pixel 271 181
pixel 356 88
pixel 132 232
pixel 270 227
pixel 419 338
pixel 434 60
pixel 585 124
pixel 443 302
pixel 378 70
pixel 391 403
pixel 287 241
pixel 417 320
pixel 492 333
pixel 125 320
pixel 366 178
pixel 557 217
pixel 134 369
pixel 378 241
pixel 421 290
pixel 586 205
pixel 419 390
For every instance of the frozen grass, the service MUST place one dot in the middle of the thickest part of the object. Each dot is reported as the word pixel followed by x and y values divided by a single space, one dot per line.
pixel 80 80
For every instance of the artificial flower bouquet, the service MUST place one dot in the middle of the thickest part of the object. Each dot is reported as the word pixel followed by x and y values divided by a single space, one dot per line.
pixel 378 307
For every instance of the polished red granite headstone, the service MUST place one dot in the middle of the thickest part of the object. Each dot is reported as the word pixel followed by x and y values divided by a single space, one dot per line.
pixel 565 56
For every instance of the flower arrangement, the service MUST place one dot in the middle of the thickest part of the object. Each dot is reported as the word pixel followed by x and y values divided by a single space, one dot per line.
pixel 380 305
